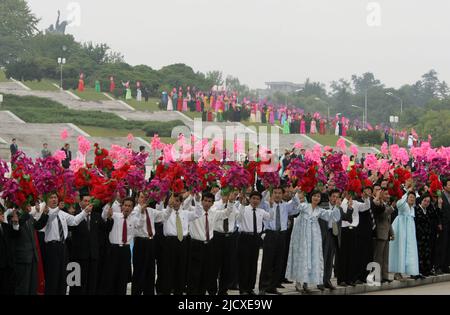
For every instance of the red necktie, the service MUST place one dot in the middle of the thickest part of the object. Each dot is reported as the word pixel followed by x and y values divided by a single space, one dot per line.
pixel 124 231
pixel 207 226
pixel 149 225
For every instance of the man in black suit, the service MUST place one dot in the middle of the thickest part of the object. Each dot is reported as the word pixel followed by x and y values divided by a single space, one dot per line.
pixel 85 247
pixel 25 251
pixel 444 243
pixel 66 162
pixel 13 148
pixel 6 258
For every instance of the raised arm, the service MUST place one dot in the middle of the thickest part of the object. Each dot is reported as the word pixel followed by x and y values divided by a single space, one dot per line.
pixel 333 215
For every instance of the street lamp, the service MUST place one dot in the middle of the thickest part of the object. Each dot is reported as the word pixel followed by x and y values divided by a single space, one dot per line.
pixel 397 97
pixel 363 114
pixel 296 91
pixel 61 62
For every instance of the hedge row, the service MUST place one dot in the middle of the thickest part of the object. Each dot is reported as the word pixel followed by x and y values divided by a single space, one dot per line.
pixel 40 110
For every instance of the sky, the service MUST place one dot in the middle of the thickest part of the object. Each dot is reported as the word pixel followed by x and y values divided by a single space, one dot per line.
pixel 269 40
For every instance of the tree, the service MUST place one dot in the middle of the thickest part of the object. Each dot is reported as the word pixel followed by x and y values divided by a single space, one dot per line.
pixel 215 78
pixel 430 85
pixel 98 53
pixel 443 90
pixel 341 95
pixel 363 83
pixel 17 25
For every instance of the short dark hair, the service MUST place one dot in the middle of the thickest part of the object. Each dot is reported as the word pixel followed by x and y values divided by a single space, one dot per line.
pixel 312 193
pixel 178 196
pixel 280 187
pixel 208 195
pixel 141 148
pixel 255 193
pixel 445 181
pixel 334 191
pixel 412 193
pixel 129 199
pixel 14 139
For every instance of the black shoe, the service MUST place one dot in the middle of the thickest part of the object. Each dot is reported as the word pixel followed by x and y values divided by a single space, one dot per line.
pixel 274 291
pixel 352 284
pixel 359 282
pixel 222 293
pixel 251 292
pixel 342 284
pixel 330 286
pixel 280 286
pixel 446 270
pixel 286 281
pixel 262 292
pixel 321 287
pixel 306 290
pixel 386 281
pixel 243 293
pixel 439 272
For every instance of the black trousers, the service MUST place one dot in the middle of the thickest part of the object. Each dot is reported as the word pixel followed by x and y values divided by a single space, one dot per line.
pixel 444 247
pixel 55 268
pixel 273 250
pixel 7 281
pixel 364 248
pixel 346 257
pixel 174 265
pixel 234 269
pixel 89 271
pixel 26 278
pixel 248 252
pixel 117 270
pixel 159 241
pixel 329 245
pixel 143 280
pixel 224 248
pixel 201 276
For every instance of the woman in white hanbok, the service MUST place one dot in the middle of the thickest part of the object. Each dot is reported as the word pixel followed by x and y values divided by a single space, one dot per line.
pixel 305 261
pixel 170 103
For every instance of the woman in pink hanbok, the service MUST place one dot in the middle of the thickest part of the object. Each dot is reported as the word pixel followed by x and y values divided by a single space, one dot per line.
pixel 198 104
pixel 302 126
pixel 271 116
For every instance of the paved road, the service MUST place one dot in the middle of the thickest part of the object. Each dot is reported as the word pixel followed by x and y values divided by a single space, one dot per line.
pixel 442 288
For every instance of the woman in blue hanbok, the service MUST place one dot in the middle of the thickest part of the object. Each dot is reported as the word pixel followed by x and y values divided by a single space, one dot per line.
pixel 403 254
pixel 305 261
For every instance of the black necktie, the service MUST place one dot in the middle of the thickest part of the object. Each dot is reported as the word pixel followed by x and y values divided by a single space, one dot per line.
pixel 88 219
pixel 373 219
pixel 278 219
pixel 255 228
pixel 61 231
pixel 226 227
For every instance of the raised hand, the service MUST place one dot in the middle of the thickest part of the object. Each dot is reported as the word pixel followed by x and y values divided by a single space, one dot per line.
pixel 89 209
pixel 15 217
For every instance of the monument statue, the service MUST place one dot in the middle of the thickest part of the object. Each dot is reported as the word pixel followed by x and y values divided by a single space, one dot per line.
pixel 58 28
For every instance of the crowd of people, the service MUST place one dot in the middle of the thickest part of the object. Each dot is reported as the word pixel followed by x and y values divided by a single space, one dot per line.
pixel 198 227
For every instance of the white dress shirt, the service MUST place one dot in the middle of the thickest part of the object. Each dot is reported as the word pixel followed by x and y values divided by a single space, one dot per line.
pixel 155 216
pixel 218 226
pixel 197 227
pixel 52 230
pixel 245 218
pixel 134 223
pixel 186 216
pixel 357 208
